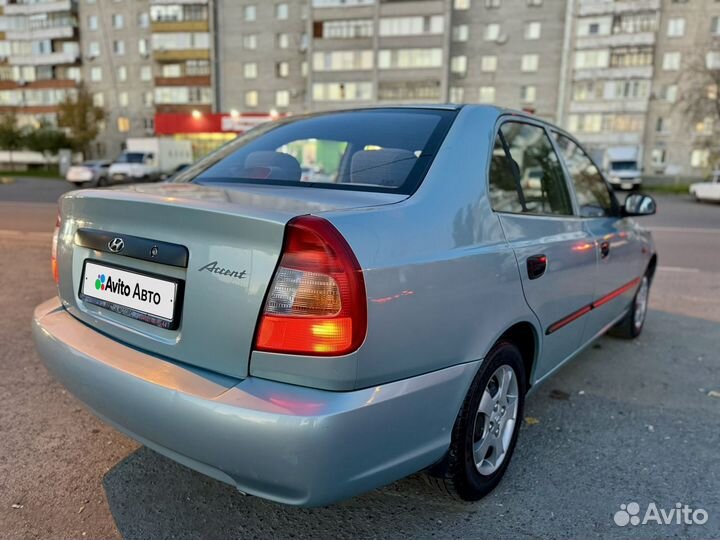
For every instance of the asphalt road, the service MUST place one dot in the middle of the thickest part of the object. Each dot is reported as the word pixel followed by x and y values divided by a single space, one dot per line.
pixel 625 422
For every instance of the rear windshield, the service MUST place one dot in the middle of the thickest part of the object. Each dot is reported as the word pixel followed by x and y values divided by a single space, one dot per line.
pixel 370 150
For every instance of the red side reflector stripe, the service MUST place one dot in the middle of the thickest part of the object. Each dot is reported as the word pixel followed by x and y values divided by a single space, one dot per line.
pixel 554 327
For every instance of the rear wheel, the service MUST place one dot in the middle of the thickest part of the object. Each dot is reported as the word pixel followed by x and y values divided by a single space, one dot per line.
pixel 631 325
pixel 486 429
pixel 102 181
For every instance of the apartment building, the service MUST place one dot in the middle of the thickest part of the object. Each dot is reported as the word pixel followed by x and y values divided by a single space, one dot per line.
pixel 39 57
pixel 679 140
pixel 118 69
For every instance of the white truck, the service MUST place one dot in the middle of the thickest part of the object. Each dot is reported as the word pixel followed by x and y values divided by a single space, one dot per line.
pixel 149 159
pixel 624 166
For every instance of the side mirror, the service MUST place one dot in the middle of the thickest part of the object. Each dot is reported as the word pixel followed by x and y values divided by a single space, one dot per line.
pixel 637 204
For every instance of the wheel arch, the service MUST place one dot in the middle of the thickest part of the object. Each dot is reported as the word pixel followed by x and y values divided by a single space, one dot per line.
pixel 525 336
pixel 652 266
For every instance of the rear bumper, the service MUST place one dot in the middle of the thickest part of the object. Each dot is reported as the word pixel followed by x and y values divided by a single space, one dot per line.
pixel 287 443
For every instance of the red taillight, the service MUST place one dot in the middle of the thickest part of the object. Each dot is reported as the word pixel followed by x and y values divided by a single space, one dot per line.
pixel 316 304
pixel 53 255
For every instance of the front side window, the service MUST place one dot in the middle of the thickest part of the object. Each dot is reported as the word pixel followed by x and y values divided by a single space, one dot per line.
pixel 375 150
pixel 525 173
pixel 592 192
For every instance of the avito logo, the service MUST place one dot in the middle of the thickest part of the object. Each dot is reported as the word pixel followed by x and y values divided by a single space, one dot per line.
pixel 117 286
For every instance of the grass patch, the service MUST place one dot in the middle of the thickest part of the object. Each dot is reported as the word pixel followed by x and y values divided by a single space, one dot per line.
pixel 50 174
pixel 672 189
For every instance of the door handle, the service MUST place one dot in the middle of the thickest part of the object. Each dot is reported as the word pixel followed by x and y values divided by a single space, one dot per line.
pixel 604 248
pixel 536 266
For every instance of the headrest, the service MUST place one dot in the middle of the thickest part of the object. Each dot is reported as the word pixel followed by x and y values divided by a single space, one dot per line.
pixel 385 167
pixel 269 165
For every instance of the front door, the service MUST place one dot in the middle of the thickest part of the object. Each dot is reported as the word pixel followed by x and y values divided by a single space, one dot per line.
pixel 554 250
pixel 616 239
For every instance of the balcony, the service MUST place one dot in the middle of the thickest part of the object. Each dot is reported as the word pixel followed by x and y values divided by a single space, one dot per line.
pixel 610 106
pixel 33 8
pixel 50 32
pixel 56 58
pixel 611 138
pixel 172 55
pixel 604 7
pixel 637 72
pixel 616 40
pixel 187 80
pixel 161 2
pixel 180 26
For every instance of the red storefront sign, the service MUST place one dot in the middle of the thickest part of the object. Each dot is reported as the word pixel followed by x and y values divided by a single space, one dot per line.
pixel 177 123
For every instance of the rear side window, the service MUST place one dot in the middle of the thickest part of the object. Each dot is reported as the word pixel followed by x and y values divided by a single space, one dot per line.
pixel 371 150
pixel 592 192
pixel 525 173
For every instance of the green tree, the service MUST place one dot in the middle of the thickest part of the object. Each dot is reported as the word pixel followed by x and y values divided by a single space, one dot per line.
pixel 11 136
pixel 47 140
pixel 79 115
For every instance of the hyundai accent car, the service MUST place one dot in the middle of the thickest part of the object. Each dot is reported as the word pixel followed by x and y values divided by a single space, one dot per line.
pixel 308 341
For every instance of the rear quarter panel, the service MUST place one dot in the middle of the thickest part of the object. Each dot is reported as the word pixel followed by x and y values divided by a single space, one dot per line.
pixel 442 282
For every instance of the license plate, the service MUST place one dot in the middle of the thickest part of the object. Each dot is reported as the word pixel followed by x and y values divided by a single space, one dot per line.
pixel 626 185
pixel 151 299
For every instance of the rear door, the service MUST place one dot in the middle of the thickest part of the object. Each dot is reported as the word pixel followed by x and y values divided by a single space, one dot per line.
pixel 617 240
pixel 554 250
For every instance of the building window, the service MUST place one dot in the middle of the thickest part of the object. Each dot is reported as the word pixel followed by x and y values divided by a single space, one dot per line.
pixel 534 3
pixel 488 63
pixel 281 11
pixel 529 62
pixel 98 99
pixel 282 69
pixel 427 90
pixel 712 60
pixel 705 127
pixel 669 93
pixel 118 21
pixel 250 41
pixel 350 91
pixel 93 49
pixel 676 27
pixel 461 4
pixel 282 98
pixel 662 124
pixel 492 3
pixel 283 41
pixel 715 26
pixel 171 70
pixel 122 73
pixel 143 48
pixel 411 26
pixel 458 65
pixel 585 123
pixel 528 94
pixel 123 124
pixel 457 94
pixel 699 158
pixel 711 91
pixel 143 19
pixel 343 60
pixel 592 59
pixel 460 32
pixel 492 32
pixel 96 74
pixel 119 47
pixel 250 70
pixel 145 73
pixel 658 156
pixel 532 30
pixel 409 58
pixel 631 57
pixel 250 13
pixel 486 94
pixel 251 98
pixel 123 99
pixel 148 99
pixel 92 22
pixel 671 61
pixel 343 29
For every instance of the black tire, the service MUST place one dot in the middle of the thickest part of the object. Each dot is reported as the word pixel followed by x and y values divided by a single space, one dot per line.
pixel 627 327
pixel 102 181
pixel 457 475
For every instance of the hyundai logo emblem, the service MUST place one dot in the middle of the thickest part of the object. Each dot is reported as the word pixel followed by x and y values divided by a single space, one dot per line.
pixel 116 245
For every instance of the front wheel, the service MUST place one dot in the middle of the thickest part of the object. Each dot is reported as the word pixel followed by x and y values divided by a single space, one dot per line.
pixel 631 325
pixel 486 429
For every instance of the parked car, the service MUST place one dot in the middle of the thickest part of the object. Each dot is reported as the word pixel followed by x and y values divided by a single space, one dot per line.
pixel 707 191
pixel 149 159
pixel 307 342
pixel 89 173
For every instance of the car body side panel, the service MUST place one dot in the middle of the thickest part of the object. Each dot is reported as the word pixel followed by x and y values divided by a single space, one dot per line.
pixel 441 280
